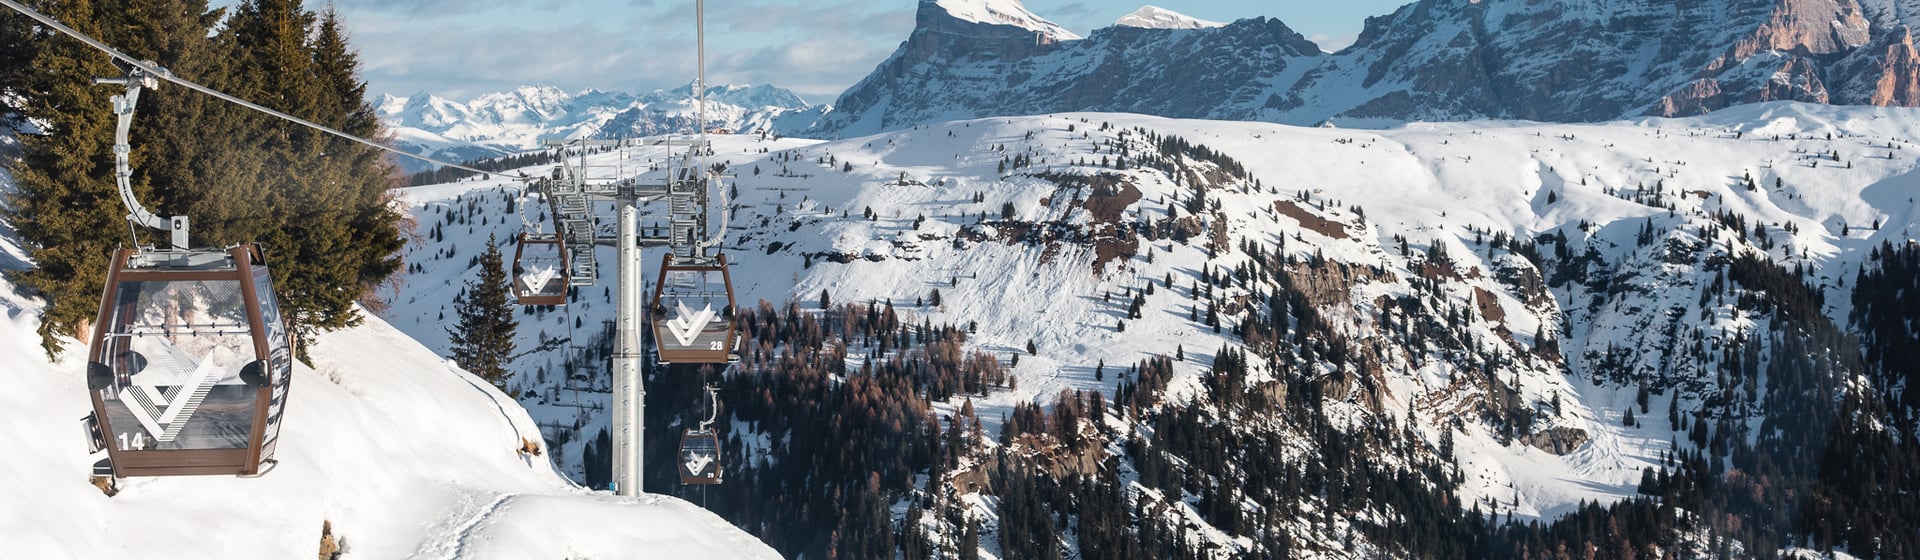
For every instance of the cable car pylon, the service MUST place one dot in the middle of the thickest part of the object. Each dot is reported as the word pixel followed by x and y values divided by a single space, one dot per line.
pixel 691 309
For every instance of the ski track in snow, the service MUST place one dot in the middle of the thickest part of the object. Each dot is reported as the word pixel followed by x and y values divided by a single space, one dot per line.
pixel 449 540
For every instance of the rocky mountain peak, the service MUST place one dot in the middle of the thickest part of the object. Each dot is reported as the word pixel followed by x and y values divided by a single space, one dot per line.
pixel 1549 60
pixel 998 12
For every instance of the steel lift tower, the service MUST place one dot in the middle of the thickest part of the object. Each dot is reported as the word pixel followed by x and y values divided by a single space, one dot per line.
pixel 692 272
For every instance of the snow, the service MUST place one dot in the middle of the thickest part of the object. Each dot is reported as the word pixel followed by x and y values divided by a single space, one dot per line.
pixel 1427 182
pixel 404 454
pixel 398 492
pixel 1005 12
pixel 1155 17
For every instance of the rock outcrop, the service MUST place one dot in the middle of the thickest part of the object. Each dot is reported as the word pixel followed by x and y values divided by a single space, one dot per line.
pixel 1550 60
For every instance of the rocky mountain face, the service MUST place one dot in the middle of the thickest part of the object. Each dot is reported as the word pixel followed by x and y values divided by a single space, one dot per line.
pixel 509 122
pixel 1550 60
pixel 952 67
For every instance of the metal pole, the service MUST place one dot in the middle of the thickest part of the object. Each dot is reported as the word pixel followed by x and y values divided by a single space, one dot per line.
pixel 700 45
pixel 629 391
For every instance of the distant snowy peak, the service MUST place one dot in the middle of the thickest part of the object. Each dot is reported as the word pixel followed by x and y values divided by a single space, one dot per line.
pixel 510 121
pixel 424 110
pixel 1155 17
pixel 1002 12
pixel 525 104
pixel 750 97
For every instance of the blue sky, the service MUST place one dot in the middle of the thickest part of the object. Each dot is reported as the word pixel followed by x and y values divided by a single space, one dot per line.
pixel 462 48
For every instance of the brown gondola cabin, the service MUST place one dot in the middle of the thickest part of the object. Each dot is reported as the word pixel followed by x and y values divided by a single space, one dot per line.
pixel 699 457
pixel 540 270
pixel 189 363
pixel 692 312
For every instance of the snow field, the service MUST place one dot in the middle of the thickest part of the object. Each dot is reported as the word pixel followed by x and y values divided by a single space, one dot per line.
pixel 1430 183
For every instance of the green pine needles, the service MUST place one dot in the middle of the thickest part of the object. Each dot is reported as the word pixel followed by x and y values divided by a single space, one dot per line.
pixel 318 205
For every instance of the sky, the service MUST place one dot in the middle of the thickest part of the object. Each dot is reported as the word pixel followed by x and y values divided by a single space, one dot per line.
pixel 459 49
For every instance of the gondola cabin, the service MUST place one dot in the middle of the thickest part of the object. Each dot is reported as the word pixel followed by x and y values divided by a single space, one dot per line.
pixel 189 363
pixel 699 457
pixel 540 270
pixel 692 312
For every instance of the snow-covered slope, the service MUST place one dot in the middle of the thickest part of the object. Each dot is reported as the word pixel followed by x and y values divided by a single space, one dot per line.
pixel 404 455
pixel 1346 196
pixel 1155 17
pixel 1004 12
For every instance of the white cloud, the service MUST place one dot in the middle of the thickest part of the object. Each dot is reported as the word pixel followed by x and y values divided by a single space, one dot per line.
pixel 815 49
pixel 1333 43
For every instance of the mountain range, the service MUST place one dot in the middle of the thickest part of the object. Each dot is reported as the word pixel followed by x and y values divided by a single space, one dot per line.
pixel 509 122
pixel 1449 60
pixel 1430 60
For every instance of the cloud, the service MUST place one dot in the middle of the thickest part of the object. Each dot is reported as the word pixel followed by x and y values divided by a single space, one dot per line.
pixel 817 69
pixel 445 8
pixel 817 50
pixel 1333 43
pixel 460 64
pixel 1073 11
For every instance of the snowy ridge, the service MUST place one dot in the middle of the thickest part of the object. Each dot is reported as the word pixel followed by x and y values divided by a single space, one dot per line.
pixel 1155 17
pixel 403 454
pixel 1445 187
pixel 1004 12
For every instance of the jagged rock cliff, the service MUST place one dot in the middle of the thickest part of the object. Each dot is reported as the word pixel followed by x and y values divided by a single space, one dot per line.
pixel 1550 60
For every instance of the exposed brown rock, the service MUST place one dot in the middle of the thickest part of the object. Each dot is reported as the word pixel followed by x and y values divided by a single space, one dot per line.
pixel 1330 283
pixel 1489 306
pixel 1808 26
pixel 1899 73
pixel 1558 441
pixel 1313 222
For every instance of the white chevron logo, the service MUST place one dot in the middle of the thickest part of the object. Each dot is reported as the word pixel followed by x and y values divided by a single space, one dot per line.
pixel 153 407
pixel 697 463
pixel 686 325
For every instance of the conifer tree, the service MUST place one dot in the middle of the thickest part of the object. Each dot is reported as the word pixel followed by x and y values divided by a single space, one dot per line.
pixel 16 63
pixel 316 204
pixel 67 207
pixel 328 224
pixel 482 335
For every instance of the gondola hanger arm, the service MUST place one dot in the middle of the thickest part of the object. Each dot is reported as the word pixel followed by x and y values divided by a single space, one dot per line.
pixel 137 79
